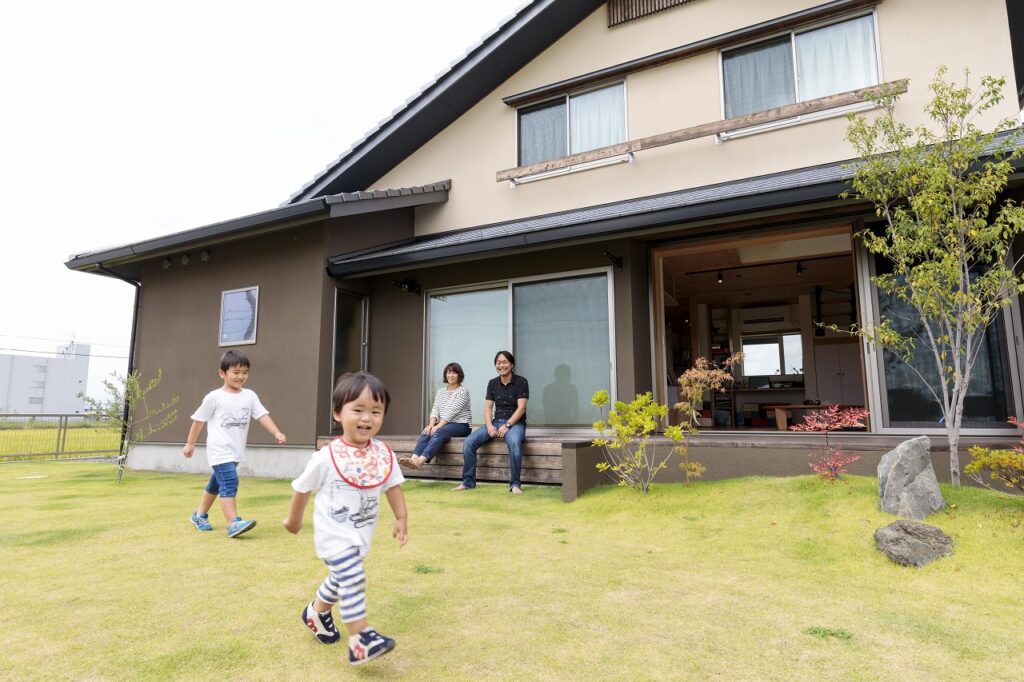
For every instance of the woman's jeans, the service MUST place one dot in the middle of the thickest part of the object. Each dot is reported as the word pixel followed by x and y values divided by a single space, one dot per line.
pixel 428 446
pixel 514 439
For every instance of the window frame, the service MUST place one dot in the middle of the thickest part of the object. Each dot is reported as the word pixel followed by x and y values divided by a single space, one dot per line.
pixel 255 317
pixel 779 338
pixel 508 285
pixel 565 98
pixel 791 34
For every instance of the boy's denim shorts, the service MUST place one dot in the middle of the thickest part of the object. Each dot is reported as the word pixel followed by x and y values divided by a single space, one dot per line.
pixel 224 481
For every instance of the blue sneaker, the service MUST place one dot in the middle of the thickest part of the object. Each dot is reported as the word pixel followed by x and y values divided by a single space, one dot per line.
pixel 368 645
pixel 201 521
pixel 320 624
pixel 239 526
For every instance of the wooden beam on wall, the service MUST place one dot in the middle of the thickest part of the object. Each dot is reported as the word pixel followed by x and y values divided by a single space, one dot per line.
pixel 705 130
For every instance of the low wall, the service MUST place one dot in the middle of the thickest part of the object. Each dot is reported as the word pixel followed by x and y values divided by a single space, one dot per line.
pixel 261 461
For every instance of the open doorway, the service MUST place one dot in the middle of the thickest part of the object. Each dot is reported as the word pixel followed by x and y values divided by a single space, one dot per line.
pixel 773 298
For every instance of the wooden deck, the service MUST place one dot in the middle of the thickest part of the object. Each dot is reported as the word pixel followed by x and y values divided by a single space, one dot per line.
pixel 570 461
pixel 542 458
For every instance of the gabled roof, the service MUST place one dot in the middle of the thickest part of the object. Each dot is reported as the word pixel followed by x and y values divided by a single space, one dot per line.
pixel 125 261
pixel 529 31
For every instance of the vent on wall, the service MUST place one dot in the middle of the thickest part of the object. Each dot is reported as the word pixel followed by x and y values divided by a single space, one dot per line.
pixel 621 11
pixel 769 319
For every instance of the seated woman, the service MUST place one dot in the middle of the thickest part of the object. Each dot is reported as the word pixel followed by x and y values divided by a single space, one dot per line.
pixel 449 418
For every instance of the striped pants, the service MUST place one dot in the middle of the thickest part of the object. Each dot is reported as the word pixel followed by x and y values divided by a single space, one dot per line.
pixel 345 586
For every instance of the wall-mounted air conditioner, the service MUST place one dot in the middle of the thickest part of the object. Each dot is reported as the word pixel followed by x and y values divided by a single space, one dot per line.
pixel 768 319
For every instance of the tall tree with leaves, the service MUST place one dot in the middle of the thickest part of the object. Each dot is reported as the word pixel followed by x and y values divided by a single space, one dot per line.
pixel 127 407
pixel 946 230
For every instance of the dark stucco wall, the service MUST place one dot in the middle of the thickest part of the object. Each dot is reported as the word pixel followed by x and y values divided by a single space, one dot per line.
pixel 179 322
pixel 397 317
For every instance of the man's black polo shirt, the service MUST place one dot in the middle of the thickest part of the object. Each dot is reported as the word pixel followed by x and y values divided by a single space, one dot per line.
pixel 506 396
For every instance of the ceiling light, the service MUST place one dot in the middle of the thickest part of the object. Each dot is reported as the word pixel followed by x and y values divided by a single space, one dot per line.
pixel 719 276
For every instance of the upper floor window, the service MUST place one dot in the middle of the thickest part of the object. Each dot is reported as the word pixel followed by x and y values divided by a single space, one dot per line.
pixel 571 124
pixel 800 66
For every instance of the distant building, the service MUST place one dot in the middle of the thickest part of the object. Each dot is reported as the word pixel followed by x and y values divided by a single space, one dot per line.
pixel 45 385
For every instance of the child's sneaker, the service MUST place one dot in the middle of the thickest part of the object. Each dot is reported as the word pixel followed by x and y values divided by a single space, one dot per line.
pixel 239 526
pixel 368 645
pixel 320 624
pixel 201 521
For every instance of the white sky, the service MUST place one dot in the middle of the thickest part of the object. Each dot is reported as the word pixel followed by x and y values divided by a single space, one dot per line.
pixel 125 120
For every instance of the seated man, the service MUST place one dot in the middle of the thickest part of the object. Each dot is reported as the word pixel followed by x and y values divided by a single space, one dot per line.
pixel 506 397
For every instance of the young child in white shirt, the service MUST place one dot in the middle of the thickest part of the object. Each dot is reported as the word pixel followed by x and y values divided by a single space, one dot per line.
pixel 226 412
pixel 349 475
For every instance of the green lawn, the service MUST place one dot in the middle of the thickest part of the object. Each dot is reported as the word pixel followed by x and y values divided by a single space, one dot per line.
pixel 749 579
pixel 43 439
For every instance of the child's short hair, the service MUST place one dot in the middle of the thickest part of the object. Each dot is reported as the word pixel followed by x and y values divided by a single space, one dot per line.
pixel 233 358
pixel 454 367
pixel 351 385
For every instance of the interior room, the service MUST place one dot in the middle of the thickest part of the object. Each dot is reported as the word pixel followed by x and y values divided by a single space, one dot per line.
pixel 774 298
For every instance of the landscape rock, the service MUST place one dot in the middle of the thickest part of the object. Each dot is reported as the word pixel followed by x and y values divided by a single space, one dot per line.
pixel 910 543
pixel 907 485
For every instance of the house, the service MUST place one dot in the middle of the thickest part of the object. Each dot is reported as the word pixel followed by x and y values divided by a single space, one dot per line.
pixel 609 189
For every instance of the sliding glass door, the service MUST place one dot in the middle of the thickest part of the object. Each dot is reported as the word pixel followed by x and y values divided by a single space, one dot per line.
pixel 559 329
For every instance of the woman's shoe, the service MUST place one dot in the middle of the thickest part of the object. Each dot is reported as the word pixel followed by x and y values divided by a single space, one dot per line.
pixel 410 463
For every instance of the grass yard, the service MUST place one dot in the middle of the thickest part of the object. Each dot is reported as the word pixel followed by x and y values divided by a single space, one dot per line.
pixel 78 439
pixel 749 579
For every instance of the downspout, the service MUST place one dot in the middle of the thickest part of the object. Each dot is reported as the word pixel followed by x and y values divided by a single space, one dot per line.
pixel 131 347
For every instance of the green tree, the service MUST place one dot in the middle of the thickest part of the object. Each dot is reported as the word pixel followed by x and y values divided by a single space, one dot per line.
pixel 945 229
pixel 127 407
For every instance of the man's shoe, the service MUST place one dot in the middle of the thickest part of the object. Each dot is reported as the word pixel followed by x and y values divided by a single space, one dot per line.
pixel 368 645
pixel 239 526
pixel 201 521
pixel 320 624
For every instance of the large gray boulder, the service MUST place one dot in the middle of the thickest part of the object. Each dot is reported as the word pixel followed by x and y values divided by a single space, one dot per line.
pixel 909 543
pixel 907 485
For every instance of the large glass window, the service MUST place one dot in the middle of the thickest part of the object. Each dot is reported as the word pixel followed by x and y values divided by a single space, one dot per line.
pixel 560 336
pixel 562 346
pixel 989 401
pixel 467 328
pixel 800 67
pixel 572 124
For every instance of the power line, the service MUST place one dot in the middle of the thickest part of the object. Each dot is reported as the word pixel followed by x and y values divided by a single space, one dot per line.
pixel 53 353
pixel 43 338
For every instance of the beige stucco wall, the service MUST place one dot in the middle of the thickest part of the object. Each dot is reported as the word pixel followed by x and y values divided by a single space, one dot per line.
pixel 915 37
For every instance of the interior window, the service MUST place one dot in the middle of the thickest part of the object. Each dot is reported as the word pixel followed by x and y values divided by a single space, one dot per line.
pixel 800 66
pixel 773 355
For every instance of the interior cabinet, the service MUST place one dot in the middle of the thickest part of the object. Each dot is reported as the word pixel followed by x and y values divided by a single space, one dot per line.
pixel 838 373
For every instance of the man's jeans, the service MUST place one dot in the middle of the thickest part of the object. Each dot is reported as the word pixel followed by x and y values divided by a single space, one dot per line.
pixel 428 446
pixel 514 439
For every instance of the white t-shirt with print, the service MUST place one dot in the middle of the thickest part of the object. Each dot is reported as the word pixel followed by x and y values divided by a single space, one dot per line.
pixel 348 482
pixel 227 416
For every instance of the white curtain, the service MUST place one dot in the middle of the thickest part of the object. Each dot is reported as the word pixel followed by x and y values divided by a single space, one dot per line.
pixel 597 119
pixel 542 134
pixel 758 78
pixel 836 58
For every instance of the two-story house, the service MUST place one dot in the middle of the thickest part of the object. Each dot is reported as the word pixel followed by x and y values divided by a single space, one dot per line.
pixel 609 190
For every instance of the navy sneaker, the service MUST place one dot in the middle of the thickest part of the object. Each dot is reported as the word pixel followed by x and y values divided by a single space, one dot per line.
pixel 201 521
pixel 320 624
pixel 368 645
pixel 239 526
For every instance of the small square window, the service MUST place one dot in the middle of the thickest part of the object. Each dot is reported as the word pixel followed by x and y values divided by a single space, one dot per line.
pixel 35 401
pixel 238 313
